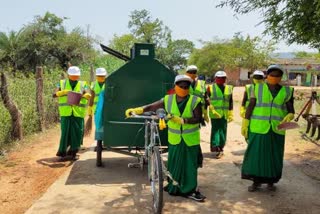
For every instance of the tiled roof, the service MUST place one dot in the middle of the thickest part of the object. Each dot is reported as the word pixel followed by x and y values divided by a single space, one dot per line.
pixel 296 61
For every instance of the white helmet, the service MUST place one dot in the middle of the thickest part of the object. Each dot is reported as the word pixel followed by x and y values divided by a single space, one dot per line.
pixel 74 71
pixel 182 77
pixel 220 74
pixel 101 72
pixel 258 73
pixel 192 68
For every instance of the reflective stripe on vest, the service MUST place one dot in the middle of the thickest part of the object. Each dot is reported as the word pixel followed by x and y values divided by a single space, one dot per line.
pixel 199 89
pixel 269 111
pixel 76 110
pixel 249 89
pixel 97 89
pixel 220 100
pixel 190 133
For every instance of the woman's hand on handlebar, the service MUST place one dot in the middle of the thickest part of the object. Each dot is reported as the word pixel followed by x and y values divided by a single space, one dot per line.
pixel 132 111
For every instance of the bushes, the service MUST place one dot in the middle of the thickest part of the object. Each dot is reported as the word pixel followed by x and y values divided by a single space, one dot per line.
pixel 22 91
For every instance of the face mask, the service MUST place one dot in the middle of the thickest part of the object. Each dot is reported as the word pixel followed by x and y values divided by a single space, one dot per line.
pixel 255 81
pixel 192 76
pixel 220 81
pixel 273 80
pixel 74 78
pixel 180 91
pixel 100 79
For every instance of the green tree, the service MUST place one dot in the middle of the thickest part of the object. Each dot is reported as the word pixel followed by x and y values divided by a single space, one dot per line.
pixel 303 54
pixel 73 47
pixel 123 43
pixel 254 53
pixel 45 41
pixel 291 20
pixel 239 52
pixel 145 29
pixel 39 38
pixel 176 53
pixel 9 46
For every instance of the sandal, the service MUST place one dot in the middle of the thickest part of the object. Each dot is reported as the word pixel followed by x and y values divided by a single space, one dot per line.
pixel 271 187
pixel 196 196
pixel 219 155
pixel 254 187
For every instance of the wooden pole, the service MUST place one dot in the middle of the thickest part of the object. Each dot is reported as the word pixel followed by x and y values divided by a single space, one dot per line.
pixel 39 97
pixel 91 74
pixel 16 116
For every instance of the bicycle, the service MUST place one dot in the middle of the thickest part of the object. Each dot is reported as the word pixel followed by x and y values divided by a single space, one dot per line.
pixel 153 149
pixel 152 156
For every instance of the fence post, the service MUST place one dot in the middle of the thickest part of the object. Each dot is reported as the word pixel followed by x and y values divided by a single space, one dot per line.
pixel 16 118
pixel 39 97
pixel 92 76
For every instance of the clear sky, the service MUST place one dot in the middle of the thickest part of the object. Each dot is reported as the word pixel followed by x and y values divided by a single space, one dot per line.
pixel 188 19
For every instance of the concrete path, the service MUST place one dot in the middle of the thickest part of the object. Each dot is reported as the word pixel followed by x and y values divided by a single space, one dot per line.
pixel 115 188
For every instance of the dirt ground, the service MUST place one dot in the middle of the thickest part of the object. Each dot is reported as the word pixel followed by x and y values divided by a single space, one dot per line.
pixel 33 180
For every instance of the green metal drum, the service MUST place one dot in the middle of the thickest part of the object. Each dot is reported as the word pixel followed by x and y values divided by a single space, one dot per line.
pixel 140 81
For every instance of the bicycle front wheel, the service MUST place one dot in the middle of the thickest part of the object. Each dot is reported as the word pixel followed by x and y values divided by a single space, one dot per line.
pixel 156 180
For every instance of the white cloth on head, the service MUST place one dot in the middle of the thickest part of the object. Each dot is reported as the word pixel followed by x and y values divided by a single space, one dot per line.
pixel 182 77
pixel 220 74
pixel 101 72
pixel 74 71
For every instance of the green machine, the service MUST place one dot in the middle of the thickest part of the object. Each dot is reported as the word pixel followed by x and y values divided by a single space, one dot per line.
pixel 142 80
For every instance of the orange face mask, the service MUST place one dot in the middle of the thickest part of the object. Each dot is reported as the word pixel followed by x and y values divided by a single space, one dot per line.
pixel 74 78
pixel 100 79
pixel 192 76
pixel 273 80
pixel 180 91
pixel 256 81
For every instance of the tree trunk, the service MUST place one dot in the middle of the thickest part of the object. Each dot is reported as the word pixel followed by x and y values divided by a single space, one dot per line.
pixel 16 117
pixel 39 97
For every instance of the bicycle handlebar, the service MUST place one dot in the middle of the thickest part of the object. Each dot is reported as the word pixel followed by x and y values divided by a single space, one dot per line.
pixel 150 117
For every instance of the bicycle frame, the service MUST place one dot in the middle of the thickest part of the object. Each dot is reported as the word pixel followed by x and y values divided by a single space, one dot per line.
pixel 151 129
pixel 155 163
pixel 151 135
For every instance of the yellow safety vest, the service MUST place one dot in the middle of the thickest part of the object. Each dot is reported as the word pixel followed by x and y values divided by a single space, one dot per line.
pixel 249 88
pixel 97 89
pixel 190 133
pixel 199 89
pixel 269 111
pixel 220 100
pixel 67 110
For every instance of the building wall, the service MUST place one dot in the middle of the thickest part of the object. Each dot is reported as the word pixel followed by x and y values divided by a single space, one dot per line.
pixel 233 76
pixel 244 74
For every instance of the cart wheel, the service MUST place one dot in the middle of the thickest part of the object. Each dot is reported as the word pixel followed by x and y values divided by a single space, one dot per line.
pixel 156 180
pixel 99 153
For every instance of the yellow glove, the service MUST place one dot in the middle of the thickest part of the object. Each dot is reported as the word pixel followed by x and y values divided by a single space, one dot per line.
pixel 162 124
pixel 244 128
pixel 177 120
pixel 90 110
pixel 214 112
pixel 62 93
pixel 87 96
pixel 205 115
pixel 242 112
pixel 230 116
pixel 287 118
pixel 131 111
